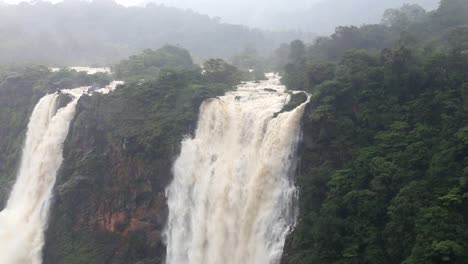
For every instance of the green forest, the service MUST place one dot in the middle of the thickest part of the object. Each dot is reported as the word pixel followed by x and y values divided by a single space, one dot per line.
pixel 382 164
pixel 384 170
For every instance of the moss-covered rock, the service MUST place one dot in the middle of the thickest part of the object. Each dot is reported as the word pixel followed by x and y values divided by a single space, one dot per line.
pixel 296 100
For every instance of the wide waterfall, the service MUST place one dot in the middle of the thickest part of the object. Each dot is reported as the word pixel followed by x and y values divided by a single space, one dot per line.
pixel 233 194
pixel 24 219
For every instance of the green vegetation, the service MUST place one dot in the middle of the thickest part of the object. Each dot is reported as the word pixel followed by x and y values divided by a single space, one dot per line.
pixel 169 60
pixel 219 71
pixel 150 63
pixel 296 100
pixel 384 171
pixel 152 116
pixel 67 78
pixel 383 177
pixel 253 63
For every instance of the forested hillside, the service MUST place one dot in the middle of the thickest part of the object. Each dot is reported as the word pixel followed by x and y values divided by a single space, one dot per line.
pixel 322 17
pixel 80 32
pixel 384 170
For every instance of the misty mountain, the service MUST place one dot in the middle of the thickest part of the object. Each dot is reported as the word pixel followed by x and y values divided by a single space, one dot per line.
pixel 320 16
pixel 325 16
pixel 78 32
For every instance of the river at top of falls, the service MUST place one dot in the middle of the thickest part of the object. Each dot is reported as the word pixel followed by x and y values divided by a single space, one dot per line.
pixel 88 70
pixel 24 219
pixel 232 197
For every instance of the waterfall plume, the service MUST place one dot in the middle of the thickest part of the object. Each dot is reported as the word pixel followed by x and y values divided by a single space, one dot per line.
pixel 233 194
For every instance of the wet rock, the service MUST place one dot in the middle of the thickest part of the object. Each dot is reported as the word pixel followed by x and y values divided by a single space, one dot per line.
pixel 63 100
pixel 270 90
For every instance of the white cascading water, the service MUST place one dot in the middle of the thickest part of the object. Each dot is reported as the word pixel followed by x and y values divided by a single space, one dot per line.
pixel 24 219
pixel 233 194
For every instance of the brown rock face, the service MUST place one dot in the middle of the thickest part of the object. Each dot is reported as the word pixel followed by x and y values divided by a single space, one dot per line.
pixel 109 205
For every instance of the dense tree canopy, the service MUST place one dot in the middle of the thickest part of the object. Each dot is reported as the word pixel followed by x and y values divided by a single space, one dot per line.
pixel 383 175
pixel 150 63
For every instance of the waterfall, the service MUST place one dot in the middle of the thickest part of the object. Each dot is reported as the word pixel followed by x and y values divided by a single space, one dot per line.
pixel 232 197
pixel 24 219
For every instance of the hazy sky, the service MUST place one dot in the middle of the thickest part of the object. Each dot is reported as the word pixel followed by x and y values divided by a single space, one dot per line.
pixel 209 5
pixel 248 12
pixel 320 16
pixel 229 10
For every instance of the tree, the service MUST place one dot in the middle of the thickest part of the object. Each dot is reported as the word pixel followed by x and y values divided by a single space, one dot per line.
pixel 384 174
pixel 458 38
pixel 451 13
pixel 403 17
pixel 219 71
pixel 148 64
pixel 297 51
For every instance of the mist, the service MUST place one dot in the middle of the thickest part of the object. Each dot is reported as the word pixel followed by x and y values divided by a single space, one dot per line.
pixel 83 33
pixel 316 16
pixel 233 131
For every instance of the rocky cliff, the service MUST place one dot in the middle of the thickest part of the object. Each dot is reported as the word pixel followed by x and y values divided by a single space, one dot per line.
pixel 109 204
pixel 19 92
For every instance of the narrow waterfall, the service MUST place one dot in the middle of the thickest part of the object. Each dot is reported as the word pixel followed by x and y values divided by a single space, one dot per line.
pixel 24 219
pixel 232 197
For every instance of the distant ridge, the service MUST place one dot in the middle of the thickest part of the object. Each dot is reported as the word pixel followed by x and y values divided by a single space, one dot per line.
pixel 101 32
